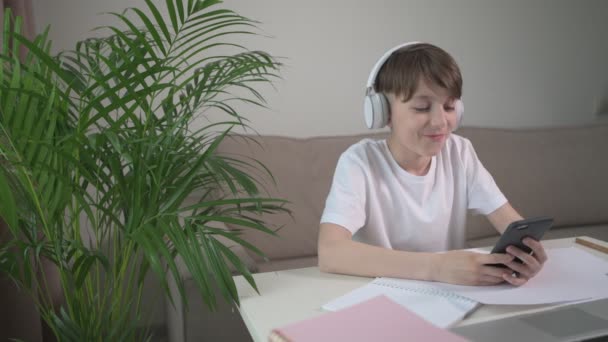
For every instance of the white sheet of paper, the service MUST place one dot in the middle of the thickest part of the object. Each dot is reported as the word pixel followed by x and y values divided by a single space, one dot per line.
pixel 569 274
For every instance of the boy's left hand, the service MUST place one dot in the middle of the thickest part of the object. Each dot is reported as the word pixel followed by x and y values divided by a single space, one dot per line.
pixel 531 263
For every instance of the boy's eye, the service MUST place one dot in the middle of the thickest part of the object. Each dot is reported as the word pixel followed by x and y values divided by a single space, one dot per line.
pixel 449 108
pixel 422 109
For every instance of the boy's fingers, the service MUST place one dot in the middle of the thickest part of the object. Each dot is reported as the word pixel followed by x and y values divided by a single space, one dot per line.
pixel 524 257
pixel 493 271
pixel 537 248
pixel 496 258
pixel 521 269
pixel 490 280
pixel 516 280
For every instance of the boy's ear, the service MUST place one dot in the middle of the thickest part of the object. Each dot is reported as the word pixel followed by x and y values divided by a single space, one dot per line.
pixel 390 98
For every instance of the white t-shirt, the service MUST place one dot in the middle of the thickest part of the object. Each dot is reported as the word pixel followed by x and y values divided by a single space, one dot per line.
pixel 384 205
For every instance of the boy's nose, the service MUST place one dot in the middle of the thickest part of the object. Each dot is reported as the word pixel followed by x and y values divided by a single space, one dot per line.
pixel 439 118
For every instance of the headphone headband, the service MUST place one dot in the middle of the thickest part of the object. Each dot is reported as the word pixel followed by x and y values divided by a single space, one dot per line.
pixel 376 107
pixel 380 62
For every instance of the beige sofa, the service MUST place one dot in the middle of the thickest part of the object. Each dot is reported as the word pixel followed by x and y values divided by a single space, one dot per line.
pixel 557 172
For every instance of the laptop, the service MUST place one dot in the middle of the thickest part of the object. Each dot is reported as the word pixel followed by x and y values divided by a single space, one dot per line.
pixel 577 322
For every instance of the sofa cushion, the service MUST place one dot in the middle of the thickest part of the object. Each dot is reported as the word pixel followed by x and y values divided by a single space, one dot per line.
pixel 556 172
pixel 303 170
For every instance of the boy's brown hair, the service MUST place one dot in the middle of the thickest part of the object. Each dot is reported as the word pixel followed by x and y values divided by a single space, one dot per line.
pixel 400 74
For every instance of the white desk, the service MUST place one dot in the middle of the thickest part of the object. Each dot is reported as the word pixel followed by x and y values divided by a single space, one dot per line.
pixel 292 295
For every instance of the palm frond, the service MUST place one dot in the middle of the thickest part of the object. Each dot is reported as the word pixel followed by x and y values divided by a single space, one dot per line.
pixel 99 161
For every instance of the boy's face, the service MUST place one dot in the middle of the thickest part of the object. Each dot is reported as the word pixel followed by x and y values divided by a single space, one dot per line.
pixel 420 126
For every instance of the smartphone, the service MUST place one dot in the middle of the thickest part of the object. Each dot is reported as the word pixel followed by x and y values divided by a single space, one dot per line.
pixel 534 228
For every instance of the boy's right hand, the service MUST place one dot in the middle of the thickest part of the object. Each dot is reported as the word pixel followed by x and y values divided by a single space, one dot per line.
pixel 470 268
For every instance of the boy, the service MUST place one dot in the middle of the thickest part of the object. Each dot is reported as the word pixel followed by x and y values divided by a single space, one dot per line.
pixel 395 203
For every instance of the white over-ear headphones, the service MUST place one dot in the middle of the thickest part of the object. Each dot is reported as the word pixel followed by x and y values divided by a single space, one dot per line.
pixel 376 107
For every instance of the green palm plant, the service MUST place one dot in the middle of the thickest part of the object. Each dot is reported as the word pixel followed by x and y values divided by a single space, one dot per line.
pixel 100 161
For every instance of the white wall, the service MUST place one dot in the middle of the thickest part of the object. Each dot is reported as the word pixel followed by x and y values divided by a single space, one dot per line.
pixel 525 62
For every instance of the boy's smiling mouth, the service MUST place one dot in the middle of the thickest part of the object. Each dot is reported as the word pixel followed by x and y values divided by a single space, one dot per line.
pixel 436 137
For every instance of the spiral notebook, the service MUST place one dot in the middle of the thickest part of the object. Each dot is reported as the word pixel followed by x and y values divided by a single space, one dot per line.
pixel 441 307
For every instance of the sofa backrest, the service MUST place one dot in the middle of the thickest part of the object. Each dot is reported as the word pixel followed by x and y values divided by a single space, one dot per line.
pixel 303 170
pixel 557 172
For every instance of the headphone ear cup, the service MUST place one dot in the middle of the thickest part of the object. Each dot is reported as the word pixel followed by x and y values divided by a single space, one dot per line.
pixel 459 107
pixel 376 110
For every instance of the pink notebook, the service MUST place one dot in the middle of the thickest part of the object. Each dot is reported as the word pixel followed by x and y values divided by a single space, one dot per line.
pixel 377 319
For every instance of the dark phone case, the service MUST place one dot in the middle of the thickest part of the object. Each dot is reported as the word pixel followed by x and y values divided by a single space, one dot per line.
pixel 518 230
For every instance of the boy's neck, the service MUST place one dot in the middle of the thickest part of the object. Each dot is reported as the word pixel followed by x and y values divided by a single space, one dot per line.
pixel 409 161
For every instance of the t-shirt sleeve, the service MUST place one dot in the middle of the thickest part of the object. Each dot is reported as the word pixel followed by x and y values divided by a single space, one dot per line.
pixel 483 194
pixel 345 204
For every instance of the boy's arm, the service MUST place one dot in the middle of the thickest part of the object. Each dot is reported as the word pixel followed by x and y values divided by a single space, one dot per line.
pixel 338 253
pixel 503 216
